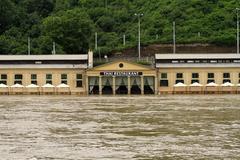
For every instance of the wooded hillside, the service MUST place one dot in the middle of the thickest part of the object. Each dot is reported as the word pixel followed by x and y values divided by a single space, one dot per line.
pixel 72 24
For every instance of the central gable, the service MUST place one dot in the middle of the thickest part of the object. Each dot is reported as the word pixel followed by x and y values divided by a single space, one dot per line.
pixel 121 66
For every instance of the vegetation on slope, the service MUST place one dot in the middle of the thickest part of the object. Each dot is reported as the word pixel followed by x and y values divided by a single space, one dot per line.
pixel 72 23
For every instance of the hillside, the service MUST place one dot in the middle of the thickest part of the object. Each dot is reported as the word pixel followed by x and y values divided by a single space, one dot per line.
pixel 72 24
pixel 152 49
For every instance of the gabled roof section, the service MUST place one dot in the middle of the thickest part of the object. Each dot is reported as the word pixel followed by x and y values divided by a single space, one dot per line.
pixel 121 65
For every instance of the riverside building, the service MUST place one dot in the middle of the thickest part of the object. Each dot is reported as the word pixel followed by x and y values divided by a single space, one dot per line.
pixel 43 74
pixel 75 74
pixel 198 73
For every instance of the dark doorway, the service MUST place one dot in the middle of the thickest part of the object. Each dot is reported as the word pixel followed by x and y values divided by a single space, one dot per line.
pixel 148 90
pixel 93 85
pixel 122 90
pixel 94 90
pixel 148 85
pixel 107 85
pixel 135 90
pixel 107 90
pixel 121 85
pixel 135 85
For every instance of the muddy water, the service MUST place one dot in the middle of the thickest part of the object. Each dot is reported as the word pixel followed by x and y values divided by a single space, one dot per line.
pixel 157 127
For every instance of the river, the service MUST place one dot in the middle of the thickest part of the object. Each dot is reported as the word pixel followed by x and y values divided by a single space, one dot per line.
pixel 115 127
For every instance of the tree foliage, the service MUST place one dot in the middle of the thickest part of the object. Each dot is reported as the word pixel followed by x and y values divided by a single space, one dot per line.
pixel 71 29
pixel 72 24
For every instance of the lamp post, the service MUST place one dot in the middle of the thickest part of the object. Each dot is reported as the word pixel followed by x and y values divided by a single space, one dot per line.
pixel 96 41
pixel 139 34
pixel 237 9
pixel 174 37
pixel 54 48
pixel 124 40
pixel 29 45
pixel 106 3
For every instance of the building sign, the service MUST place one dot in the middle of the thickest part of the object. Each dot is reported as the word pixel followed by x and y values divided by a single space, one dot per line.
pixel 121 74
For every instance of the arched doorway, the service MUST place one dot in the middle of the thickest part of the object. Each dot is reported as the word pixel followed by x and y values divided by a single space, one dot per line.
pixel 93 86
pixel 149 85
pixel 107 85
pixel 135 85
pixel 121 85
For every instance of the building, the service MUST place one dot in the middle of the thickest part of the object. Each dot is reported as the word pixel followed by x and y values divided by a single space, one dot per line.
pixel 121 77
pixel 75 74
pixel 204 69
pixel 40 70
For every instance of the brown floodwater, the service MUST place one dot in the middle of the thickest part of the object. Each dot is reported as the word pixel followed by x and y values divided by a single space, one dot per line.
pixel 112 127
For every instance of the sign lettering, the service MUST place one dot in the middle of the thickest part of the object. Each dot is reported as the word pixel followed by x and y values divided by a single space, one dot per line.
pixel 121 74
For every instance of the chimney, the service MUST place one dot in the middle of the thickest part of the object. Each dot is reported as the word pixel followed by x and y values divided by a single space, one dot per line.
pixel 90 59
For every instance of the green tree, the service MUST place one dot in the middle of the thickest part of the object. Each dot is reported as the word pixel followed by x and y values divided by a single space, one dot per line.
pixel 7 14
pixel 42 7
pixel 72 29
pixel 72 23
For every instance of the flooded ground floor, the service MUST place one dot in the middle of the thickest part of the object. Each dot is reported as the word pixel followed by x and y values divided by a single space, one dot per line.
pixel 120 127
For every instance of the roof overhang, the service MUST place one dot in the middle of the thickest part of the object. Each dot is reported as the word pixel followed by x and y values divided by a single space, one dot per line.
pixel 43 57
pixel 197 56
pixel 197 65
pixel 47 66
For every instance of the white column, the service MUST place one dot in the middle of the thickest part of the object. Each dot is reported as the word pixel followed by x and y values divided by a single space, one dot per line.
pixel 114 85
pixel 156 82
pixel 142 85
pixel 129 85
pixel 100 85
pixel 87 86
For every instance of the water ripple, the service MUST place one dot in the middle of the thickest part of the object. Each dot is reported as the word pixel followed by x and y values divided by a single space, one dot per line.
pixel 131 127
